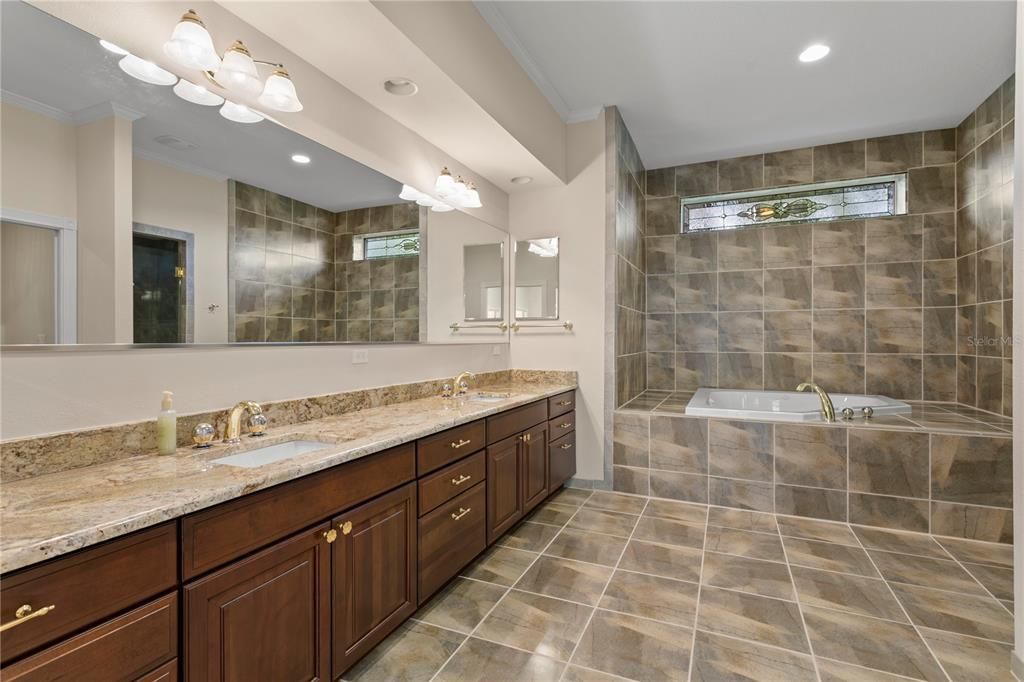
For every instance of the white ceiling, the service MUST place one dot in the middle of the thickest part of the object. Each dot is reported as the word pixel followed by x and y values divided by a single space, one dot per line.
pixel 696 81
pixel 49 62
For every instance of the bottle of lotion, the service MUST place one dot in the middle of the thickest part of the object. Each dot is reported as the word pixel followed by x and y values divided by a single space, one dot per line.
pixel 167 426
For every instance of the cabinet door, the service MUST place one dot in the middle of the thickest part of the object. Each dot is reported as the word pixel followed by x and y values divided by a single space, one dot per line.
pixel 535 466
pixel 374 567
pixel 504 500
pixel 266 617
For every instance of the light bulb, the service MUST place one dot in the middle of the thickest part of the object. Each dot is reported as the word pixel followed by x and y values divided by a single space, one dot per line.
pixel 238 71
pixel 197 94
pixel 191 45
pixel 148 72
pixel 239 113
pixel 445 184
pixel 279 93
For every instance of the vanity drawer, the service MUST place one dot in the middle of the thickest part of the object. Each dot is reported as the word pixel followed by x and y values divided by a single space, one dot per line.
pixel 562 403
pixel 451 481
pixel 450 537
pixel 561 425
pixel 123 649
pixel 501 426
pixel 443 448
pixel 87 587
pixel 213 537
pixel 561 461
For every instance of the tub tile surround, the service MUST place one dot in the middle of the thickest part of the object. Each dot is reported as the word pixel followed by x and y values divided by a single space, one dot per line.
pixel 942 469
pixel 39 455
pixel 913 307
pixel 707 593
pixel 293 277
pixel 117 497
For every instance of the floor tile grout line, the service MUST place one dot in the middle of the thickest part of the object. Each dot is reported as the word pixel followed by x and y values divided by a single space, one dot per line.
pixel 500 599
pixel 907 613
pixel 799 607
pixel 597 604
pixel 864 667
pixel 975 578
pixel 700 588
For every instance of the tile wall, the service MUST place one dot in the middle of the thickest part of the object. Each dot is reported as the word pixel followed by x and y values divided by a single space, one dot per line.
pixel 930 480
pixel 630 290
pixel 293 278
pixel 984 247
pixel 857 305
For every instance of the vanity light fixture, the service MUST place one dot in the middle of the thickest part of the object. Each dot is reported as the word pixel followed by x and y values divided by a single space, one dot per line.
pixel 239 113
pixel 146 71
pixel 197 94
pixel 191 45
pixel 412 194
pixel 300 159
pixel 814 52
pixel 111 47
pixel 238 71
pixel 456 192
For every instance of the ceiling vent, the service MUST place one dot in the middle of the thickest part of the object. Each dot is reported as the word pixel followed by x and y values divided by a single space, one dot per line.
pixel 176 143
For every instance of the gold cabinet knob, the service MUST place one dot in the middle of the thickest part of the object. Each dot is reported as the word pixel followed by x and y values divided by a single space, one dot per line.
pixel 461 479
pixel 346 527
pixel 330 535
pixel 25 614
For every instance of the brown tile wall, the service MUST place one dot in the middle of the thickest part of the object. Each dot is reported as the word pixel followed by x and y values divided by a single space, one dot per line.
pixel 984 247
pixel 857 305
pixel 630 289
pixel 930 481
pixel 293 279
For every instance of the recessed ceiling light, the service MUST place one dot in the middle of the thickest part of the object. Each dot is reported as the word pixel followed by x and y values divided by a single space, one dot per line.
pixel 522 180
pixel 111 47
pixel 403 87
pixel 815 52
pixel 300 158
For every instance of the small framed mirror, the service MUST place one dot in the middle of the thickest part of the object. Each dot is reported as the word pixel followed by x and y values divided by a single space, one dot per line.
pixel 536 287
pixel 483 281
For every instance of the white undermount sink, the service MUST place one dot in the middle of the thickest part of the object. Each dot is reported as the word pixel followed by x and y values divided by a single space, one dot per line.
pixel 488 397
pixel 257 457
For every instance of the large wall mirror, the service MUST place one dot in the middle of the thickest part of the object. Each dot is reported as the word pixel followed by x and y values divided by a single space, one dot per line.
pixel 536 292
pixel 130 215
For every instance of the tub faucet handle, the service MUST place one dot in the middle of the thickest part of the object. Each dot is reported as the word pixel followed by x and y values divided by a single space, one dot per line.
pixel 847 413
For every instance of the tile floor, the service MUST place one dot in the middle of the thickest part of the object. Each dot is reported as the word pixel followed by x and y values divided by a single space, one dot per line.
pixel 605 586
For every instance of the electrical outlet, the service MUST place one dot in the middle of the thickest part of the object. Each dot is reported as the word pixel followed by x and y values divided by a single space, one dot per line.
pixel 360 356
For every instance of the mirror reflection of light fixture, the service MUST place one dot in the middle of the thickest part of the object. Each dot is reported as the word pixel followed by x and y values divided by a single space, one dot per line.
pixel 545 248
pixel 412 194
pixel 146 71
pixel 197 94
pixel 279 92
pixel 111 47
pixel 239 113
pixel 238 71
pixel 456 192
pixel 191 45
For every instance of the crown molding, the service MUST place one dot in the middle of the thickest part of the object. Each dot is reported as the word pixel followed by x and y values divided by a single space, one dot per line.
pixel 38 107
pixel 149 155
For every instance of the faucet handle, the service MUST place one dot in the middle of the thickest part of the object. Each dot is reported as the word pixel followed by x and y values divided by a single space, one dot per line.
pixel 258 424
pixel 463 387
pixel 446 391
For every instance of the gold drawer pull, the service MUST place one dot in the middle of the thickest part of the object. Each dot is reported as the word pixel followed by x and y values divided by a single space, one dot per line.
pixel 462 512
pixel 456 446
pixel 564 402
pixel 565 425
pixel 565 446
pixel 461 479
pixel 25 614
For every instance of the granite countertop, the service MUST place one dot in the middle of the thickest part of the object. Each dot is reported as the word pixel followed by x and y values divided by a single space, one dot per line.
pixel 47 516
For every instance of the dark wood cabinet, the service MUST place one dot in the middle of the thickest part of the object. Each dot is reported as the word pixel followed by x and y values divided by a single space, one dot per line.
pixel 561 461
pixel 450 537
pixel 504 501
pixel 534 458
pixel 374 573
pixel 266 617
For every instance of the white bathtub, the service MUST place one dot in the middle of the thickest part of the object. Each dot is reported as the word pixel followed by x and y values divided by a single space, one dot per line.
pixel 783 406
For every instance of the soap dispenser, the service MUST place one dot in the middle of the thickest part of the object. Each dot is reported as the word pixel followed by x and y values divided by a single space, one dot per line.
pixel 167 426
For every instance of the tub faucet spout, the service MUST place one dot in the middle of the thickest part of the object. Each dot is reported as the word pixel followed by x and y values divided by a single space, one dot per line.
pixel 826 402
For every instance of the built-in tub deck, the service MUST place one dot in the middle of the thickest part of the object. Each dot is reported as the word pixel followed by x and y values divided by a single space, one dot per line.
pixel 924 416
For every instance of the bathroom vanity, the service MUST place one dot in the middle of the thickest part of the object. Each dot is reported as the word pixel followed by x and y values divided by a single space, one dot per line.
pixel 294 581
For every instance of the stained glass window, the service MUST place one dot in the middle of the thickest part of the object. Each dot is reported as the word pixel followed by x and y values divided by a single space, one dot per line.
pixel 386 246
pixel 820 202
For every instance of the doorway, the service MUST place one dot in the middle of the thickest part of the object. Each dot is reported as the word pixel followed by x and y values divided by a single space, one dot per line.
pixel 158 296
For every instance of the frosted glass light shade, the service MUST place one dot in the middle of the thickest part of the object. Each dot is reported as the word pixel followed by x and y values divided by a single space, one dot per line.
pixel 239 113
pixel 238 71
pixel 409 193
pixel 191 45
pixel 472 199
pixel 440 207
pixel 197 94
pixel 145 71
pixel 445 184
pixel 279 93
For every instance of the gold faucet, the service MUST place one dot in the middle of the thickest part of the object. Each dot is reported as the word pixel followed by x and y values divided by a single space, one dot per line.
pixel 234 430
pixel 460 381
pixel 826 402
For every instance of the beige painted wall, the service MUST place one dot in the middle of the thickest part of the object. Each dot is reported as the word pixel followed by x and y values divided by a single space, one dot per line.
pixel 37 164
pixel 1018 367
pixel 27 284
pixel 576 214
pixel 165 196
